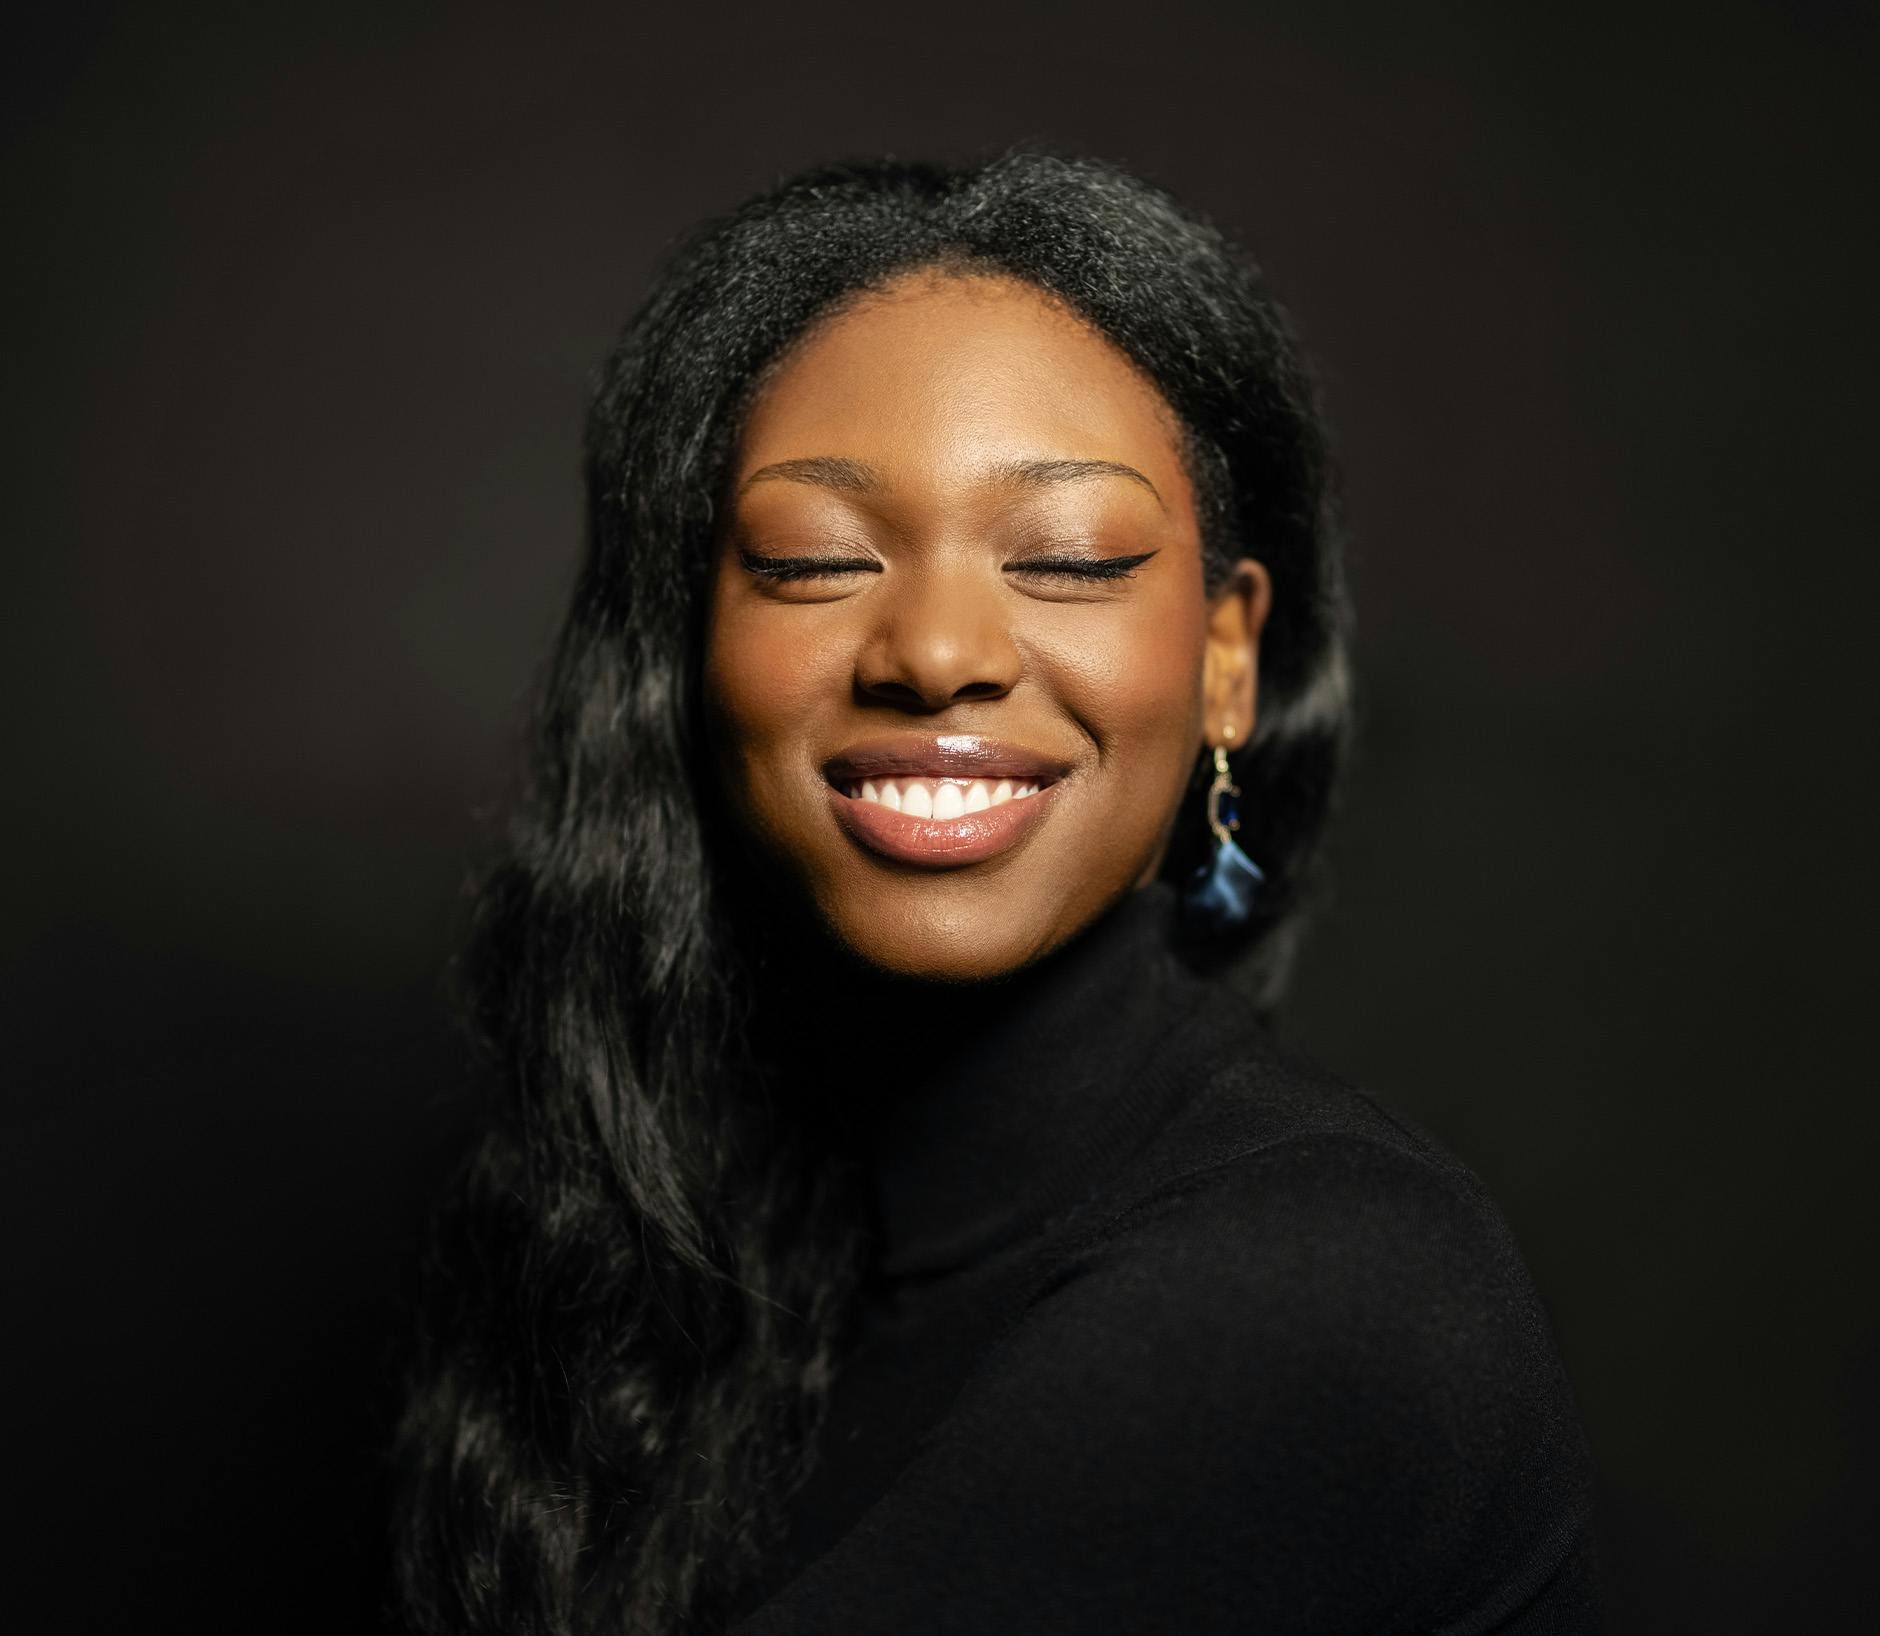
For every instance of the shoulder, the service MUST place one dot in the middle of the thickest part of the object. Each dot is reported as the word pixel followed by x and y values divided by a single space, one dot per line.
pixel 1346 1293
pixel 1270 1150
pixel 1289 1217
pixel 1279 1179
pixel 1313 1325
pixel 1307 1230
pixel 1251 1093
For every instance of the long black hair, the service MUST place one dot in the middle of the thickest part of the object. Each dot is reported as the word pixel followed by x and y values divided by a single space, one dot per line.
pixel 637 1299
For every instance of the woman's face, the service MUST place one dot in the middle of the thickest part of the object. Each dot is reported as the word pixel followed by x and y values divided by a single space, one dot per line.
pixel 960 659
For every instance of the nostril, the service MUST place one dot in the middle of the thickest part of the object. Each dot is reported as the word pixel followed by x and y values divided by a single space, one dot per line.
pixel 911 698
pixel 898 692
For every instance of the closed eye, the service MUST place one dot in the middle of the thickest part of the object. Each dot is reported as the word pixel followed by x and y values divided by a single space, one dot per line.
pixel 788 568
pixel 1081 567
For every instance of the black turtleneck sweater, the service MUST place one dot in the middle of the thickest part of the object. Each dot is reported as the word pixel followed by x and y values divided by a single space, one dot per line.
pixel 1168 1331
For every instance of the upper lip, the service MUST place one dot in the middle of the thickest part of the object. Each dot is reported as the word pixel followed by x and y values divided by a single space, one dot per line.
pixel 943 755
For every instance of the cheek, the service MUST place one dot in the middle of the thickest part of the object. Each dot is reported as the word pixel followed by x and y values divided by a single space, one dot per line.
pixel 1137 691
pixel 765 681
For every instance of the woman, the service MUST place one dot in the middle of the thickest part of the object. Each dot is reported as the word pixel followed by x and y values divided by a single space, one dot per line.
pixel 898 1216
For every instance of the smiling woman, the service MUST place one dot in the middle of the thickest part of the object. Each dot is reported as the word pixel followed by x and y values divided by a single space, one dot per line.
pixel 898 1214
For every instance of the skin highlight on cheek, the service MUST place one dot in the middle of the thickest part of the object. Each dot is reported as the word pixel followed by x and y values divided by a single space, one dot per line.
pixel 958 658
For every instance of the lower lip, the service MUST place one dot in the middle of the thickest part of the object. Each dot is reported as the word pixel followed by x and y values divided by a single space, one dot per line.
pixel 941 843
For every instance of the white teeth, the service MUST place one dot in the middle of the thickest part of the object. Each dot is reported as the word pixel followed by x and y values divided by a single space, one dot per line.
pixel 940 798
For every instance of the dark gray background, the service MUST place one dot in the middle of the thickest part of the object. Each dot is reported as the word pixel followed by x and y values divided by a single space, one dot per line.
pixel 303 304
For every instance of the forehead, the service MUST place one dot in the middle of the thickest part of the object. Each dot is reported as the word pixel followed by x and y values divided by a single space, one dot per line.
pixel 940 376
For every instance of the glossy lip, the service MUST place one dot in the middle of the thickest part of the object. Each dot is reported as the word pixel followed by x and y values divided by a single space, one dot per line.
pixel 950 843
pixel 943 755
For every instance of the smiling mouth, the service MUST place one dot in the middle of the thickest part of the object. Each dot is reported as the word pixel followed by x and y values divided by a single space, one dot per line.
pixel 941 802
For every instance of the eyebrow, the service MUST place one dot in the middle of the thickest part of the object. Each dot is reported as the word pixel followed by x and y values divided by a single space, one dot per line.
pixel 827 471
pixel 853 477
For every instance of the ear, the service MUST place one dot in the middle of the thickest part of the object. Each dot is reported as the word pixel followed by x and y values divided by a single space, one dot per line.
pixel 1230 666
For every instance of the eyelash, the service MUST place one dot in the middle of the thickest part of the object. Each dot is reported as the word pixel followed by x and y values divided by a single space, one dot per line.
pixel 806 567
pixel 790 568
pixel 1085 567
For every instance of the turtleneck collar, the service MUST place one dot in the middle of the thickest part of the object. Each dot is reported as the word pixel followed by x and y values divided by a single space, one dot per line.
pixel 982 1110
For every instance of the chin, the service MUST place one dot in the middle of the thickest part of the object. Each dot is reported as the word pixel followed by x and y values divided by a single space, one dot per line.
pixel 933 931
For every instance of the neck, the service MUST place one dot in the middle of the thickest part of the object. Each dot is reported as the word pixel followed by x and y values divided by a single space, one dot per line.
pixel 982 1109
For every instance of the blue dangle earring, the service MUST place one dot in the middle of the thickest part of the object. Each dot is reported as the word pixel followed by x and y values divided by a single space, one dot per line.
pixel 1220 897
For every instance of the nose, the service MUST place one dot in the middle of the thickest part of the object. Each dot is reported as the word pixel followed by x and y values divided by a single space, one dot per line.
pixel 943 637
